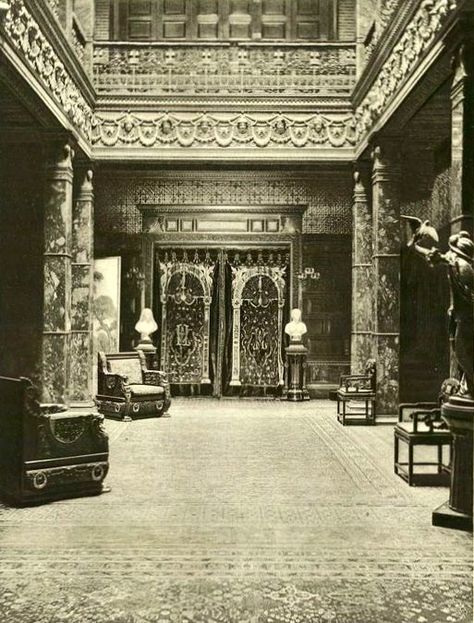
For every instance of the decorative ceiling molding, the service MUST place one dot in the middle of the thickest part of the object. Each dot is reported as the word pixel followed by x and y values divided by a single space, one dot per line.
pixel 129 128
pixel 27 38
pixel 384 16
pixel 223 130
pixel 253 103
pixel 417 38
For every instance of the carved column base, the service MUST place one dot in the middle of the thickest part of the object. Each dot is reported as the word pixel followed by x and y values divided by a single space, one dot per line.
pixel 458 413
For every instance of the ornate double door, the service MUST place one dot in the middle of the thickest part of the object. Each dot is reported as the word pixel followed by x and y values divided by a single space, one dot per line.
pixel 221 313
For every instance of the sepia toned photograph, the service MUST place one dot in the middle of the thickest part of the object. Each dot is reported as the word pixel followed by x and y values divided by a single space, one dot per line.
pixel 236 311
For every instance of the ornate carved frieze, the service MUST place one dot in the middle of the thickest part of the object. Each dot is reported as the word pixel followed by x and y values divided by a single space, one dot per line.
pixel 222 130
pixel 78 42
pixel 26 36
pixel 54 4
pixel 229 70
pixel 413 43
pixel 384 15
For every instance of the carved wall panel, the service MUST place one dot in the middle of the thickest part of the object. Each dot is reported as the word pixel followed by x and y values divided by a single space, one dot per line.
pixel 327 306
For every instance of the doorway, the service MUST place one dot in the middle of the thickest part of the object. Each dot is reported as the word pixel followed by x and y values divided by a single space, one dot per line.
pixel 220 312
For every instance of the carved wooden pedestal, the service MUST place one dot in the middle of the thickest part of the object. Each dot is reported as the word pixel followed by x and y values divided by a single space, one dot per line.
pixel 458 413
pixel 150 354
pixel 295 373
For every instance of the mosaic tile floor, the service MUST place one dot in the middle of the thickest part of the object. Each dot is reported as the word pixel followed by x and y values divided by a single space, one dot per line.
pixel 248 512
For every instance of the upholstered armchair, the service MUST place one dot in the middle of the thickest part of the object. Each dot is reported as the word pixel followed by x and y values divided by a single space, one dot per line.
pixel 46 451
pixel 127 389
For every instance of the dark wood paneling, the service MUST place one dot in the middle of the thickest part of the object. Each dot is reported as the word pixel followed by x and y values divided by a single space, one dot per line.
pixel 424 343
pixel 327 302
pixel 269 20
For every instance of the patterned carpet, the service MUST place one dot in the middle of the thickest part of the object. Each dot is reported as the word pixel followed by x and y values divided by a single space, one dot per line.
pixel 248 512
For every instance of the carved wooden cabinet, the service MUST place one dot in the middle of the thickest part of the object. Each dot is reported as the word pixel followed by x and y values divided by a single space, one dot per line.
pixel 46 451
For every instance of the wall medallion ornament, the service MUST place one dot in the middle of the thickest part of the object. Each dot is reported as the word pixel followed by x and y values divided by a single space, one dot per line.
pixel 222 130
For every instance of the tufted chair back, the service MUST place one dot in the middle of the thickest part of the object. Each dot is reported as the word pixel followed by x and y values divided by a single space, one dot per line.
pixel 129 366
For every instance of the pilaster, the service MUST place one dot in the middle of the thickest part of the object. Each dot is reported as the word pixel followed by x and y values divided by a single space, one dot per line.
pixel 362 279
pixel 57 274
pixel 80 378
pixel 386 273
pixel 462 141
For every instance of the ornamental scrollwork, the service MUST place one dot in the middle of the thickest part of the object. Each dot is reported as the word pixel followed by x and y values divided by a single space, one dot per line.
pixel 229 71
pixel 26 36
pixel 415 40
pixel 222 130
pixel 384 15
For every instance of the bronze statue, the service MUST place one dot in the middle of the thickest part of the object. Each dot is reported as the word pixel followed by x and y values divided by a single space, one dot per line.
pixel 459 260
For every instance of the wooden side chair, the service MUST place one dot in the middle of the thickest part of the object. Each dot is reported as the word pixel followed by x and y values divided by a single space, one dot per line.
pixel 420 424
pixel 356 395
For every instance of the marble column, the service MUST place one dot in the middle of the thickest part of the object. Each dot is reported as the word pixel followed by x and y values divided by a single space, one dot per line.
pixel 462 141
pixel 362 280
pixel 80 378
pixel 386 274
pixel 57 274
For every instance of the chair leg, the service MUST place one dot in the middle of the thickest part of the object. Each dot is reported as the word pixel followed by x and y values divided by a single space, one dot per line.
pixel 395 454
pixel 410 464
pixel 343 412
pixel 440 458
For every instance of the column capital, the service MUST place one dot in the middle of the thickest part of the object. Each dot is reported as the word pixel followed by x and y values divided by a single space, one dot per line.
pixel 86 188
pixel 60 161
pixel 360 194
pixel 386 159
pixel 463 69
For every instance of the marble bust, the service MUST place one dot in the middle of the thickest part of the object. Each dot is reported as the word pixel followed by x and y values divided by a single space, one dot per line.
pixel 295 328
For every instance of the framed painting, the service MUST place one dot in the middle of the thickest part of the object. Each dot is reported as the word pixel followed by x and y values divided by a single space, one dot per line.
pixel 106 307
